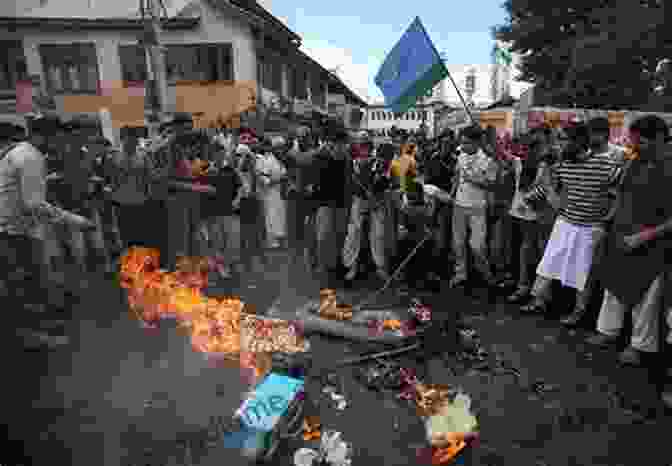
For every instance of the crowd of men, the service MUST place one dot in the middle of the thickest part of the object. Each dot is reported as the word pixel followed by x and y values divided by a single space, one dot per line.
pixel 572 209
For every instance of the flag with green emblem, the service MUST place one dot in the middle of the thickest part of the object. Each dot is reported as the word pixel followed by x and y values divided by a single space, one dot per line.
pixel 503 55
pixel 411 69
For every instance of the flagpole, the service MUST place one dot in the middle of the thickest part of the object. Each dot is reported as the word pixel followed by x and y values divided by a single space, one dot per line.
pixel 459 94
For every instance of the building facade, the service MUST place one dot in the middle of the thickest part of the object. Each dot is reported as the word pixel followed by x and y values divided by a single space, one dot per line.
pixel 223 58
pixel 380 119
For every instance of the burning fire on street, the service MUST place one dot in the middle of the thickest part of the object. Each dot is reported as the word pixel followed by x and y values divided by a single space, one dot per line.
pixel 218 327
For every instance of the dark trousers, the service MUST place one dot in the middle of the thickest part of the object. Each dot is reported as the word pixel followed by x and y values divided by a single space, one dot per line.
pixel 23 270
pixel 443 250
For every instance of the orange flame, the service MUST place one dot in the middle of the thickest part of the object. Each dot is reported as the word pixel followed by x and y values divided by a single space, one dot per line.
pixel 213 324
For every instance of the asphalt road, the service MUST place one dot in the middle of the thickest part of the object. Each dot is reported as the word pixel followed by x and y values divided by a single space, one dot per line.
pixel 119 390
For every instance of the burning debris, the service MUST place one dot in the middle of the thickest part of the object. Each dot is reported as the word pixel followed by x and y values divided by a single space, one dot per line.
pixel 216 326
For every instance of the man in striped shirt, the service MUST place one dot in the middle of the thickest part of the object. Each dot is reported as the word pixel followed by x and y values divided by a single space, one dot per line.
pixel 586 181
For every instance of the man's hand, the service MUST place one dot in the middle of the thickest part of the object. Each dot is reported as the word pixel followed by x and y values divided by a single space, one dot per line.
pixel 634 242
pixel 430 190
pixel 81 223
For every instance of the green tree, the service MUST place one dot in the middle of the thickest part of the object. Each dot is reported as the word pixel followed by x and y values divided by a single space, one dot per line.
pixel 592 53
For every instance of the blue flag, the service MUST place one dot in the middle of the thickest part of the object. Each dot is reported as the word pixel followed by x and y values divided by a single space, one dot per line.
pixel 411 69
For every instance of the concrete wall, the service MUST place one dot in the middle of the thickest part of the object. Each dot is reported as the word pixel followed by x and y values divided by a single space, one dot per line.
pixel 215 27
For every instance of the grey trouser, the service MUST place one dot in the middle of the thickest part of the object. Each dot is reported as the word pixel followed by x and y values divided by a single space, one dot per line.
pixel 473 222
pixel 379 232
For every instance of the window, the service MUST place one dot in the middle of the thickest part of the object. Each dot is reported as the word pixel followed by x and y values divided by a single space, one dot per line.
pixel 270 74
pixel 298 84
pixel 133 61
pixel 317 91
pixel 199 62
pixel 373 115
pixel 70 68
pixel 12 65
pixel 406 116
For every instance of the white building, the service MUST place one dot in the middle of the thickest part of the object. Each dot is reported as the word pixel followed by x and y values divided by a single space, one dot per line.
pixel 489 83
pixel 71 49
pixel 379 118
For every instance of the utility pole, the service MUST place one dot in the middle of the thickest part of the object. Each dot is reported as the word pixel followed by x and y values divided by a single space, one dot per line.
pixel 151 12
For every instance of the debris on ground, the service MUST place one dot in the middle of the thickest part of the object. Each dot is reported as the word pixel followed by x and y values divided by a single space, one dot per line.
pixel 333 451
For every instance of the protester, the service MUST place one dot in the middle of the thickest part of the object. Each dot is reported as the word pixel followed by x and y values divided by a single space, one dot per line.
pixel 248 202
pixel 217 212
pixel 476 175
pixel 370 205
pixel 78 195
pixel 272 174
pixel 639 243
pixel 440 172
pixel 23 212
pixel 530 228
pixel 499 222
pixel 586 176
pixel 333 195
pixel 110 164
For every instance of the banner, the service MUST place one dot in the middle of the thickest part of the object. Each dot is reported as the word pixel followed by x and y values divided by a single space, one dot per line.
pixel 411 69
pixel 215 101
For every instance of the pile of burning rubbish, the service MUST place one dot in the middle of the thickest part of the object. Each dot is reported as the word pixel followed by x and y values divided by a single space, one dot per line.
pixel 220 327
pixel 217 326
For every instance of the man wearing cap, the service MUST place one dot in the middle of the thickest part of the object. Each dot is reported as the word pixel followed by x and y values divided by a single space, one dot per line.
pixel 23 213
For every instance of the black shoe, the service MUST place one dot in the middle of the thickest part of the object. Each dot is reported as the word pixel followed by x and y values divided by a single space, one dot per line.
pixel 574 318
pixel 518 297
pixel 40 340
pixel 458 283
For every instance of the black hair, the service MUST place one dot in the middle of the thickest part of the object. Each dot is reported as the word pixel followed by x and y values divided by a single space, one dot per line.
pixel 473 133
pixel 340 135
pixel 598 125
pixel 47 125
pixel 530 168
pixel 11 132
pixel 579 136
pixel 387 151
pixel 544 129
pixel 650 126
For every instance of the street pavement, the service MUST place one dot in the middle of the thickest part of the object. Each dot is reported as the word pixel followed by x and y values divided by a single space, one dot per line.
pixel 119 389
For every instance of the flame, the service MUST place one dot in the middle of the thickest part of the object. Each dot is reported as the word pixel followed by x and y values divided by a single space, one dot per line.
pixel 214 324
